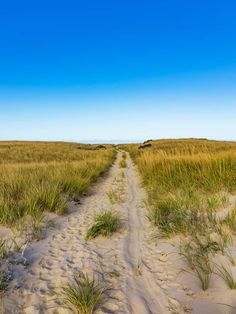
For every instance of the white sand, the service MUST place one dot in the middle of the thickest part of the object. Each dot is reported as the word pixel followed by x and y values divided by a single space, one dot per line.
pixel 150 280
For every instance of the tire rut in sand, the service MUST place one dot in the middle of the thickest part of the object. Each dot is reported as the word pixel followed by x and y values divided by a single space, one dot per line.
pixel 143 293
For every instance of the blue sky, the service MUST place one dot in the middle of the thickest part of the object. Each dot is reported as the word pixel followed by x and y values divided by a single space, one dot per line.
pixel 117 70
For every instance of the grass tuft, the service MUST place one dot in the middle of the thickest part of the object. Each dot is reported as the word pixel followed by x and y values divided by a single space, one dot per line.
pixel 105 224
pixel 123 164
pixel 84 295
pixel 115 196
pixel 231 258
pixel 227 275
pixel 197 251
pixel 4 249
pixel 230 220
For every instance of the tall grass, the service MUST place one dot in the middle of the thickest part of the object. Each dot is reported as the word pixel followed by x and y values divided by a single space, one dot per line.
pixel 183 176
pixel 39 177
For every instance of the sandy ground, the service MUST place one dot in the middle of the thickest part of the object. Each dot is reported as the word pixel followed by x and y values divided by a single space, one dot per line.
pixel 145 275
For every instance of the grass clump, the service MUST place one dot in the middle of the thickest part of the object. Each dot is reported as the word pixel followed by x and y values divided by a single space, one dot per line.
pixel 114 196
pixel 84 295
pixel 216 201
pixel 182 212
pixel 231 258
pixel 168 215
pixel 199 250
pixel 198 254
pixel 227 275
pixel 123 164
pixel 105 224
pixel 204 270
pixel 230 220
pixel 224 238
pixel 4 249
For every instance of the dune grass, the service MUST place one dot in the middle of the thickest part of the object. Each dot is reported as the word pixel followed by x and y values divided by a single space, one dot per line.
pixel 84 295
pixel 227 275
pixel 230 220
pixel 185 176
pixel 187 181
pixel 40 177
pixel 105 224
pixel 197 252
pixel 231 258
pixel 4 249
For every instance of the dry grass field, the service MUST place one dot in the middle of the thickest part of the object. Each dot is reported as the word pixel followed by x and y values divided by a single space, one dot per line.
pixel 40 176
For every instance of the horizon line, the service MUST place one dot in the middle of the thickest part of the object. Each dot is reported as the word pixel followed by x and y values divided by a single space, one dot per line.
pixel 115 141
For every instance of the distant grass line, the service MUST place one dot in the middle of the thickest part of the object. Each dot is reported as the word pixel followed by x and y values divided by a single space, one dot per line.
pixel 29 152
pixel 38 177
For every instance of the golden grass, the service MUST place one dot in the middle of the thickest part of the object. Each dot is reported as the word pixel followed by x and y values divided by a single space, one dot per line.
pixel 180 175
pixel 39 176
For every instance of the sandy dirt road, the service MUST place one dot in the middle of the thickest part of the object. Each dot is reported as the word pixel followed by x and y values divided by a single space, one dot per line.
pixel 144 276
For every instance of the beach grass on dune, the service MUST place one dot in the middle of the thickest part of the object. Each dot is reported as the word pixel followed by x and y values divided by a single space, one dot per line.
pixel 187 181
pixel 39 177
pixel 185 176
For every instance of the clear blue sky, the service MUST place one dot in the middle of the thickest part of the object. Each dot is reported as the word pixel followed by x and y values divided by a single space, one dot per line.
pixel 125 70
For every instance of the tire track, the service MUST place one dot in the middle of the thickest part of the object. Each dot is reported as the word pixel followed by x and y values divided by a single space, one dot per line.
pixel 143 294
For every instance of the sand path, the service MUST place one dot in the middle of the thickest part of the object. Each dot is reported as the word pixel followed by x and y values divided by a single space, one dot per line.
pixel 144 275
